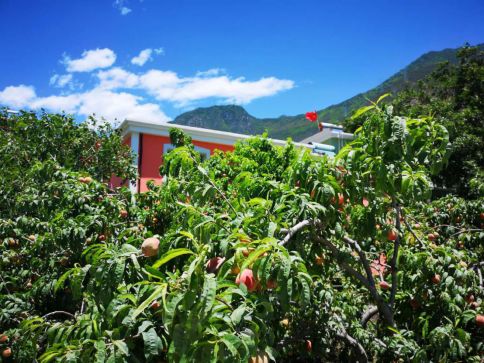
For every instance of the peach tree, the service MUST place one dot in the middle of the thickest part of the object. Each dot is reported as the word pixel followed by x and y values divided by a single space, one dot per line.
pixel 264 253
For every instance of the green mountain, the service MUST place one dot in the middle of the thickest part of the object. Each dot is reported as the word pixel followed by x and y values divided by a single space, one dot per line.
pixel 237 119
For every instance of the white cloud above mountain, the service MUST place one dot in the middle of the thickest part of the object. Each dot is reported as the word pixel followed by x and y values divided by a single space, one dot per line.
pixel 118 93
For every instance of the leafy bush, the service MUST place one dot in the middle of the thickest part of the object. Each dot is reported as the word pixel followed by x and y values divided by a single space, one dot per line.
pixel 264 252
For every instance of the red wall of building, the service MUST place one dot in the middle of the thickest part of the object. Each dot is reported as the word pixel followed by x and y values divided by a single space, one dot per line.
pixel 151 156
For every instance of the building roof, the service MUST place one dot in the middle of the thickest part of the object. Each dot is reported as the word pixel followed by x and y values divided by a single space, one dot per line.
pixel 326 134
pixel 197 133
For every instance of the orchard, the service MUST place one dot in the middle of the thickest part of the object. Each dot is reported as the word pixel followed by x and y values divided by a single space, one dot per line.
pixel 257 255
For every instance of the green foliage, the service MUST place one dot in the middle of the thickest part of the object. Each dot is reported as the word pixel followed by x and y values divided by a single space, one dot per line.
pixel 452 96
pixel 305 229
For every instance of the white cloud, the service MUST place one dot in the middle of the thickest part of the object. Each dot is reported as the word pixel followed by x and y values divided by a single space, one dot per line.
pixel 60 81
pixel 167 86
pixel 117 78
pixel 91 60
pixel 125 11
pixel 104 103
pixel 121 6
pixel 119 106
pixel 68 103
pixel 17 96
pixel 146 55
pixel 143 57
pixel 119 94
pixel 210 72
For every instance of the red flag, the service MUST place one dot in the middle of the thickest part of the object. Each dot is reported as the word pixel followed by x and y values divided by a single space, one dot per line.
pixel 312 116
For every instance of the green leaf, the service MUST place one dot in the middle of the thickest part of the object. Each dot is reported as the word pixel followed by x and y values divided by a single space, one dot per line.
pixel 254 256
pixel 100 346
pixel 231 342
pixel 237 314
pixel 171 254
pixel 122 346
pixel 208 293
pixel 159 291
pixel 361 111
pixel 152 344
pixel 382 97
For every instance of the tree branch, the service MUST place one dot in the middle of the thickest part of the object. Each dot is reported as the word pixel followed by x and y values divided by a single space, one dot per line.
pixel 383 307
pixel 367 315
pixel 344 265
pixel 292 231
pixel 407 225
pixel 393 263
pixel 59 312
pixel 467 230
pixel 363 259
pixel 357 347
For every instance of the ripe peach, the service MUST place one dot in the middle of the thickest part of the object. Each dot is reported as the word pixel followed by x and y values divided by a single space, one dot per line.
pixel 13 243
pixel 431 237
pixel 391 235
pixel 341 199
pixel 123 213
pixel 384 285
pixel 150 247
pixel 3 338
pixel 214 264
pixel 480 320
pixel 271 284
pixel 414 304
pixel 319 260
pixel 247 251
pixel 247 278
pixel 365 202
pixel 309 345
pixel 155 305
pixel 436 279
pixel 7 353
pixel 470 298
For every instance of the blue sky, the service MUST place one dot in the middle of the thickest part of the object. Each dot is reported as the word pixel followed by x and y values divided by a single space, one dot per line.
pixel 155 59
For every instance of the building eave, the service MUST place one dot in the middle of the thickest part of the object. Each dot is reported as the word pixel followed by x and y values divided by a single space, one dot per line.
pixel 197 133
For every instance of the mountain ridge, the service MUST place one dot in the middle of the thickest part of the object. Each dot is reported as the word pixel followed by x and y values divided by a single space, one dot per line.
pixel 234 118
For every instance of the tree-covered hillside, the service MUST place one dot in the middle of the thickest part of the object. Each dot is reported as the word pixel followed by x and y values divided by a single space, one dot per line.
pixel 236 119
pixel 453 95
